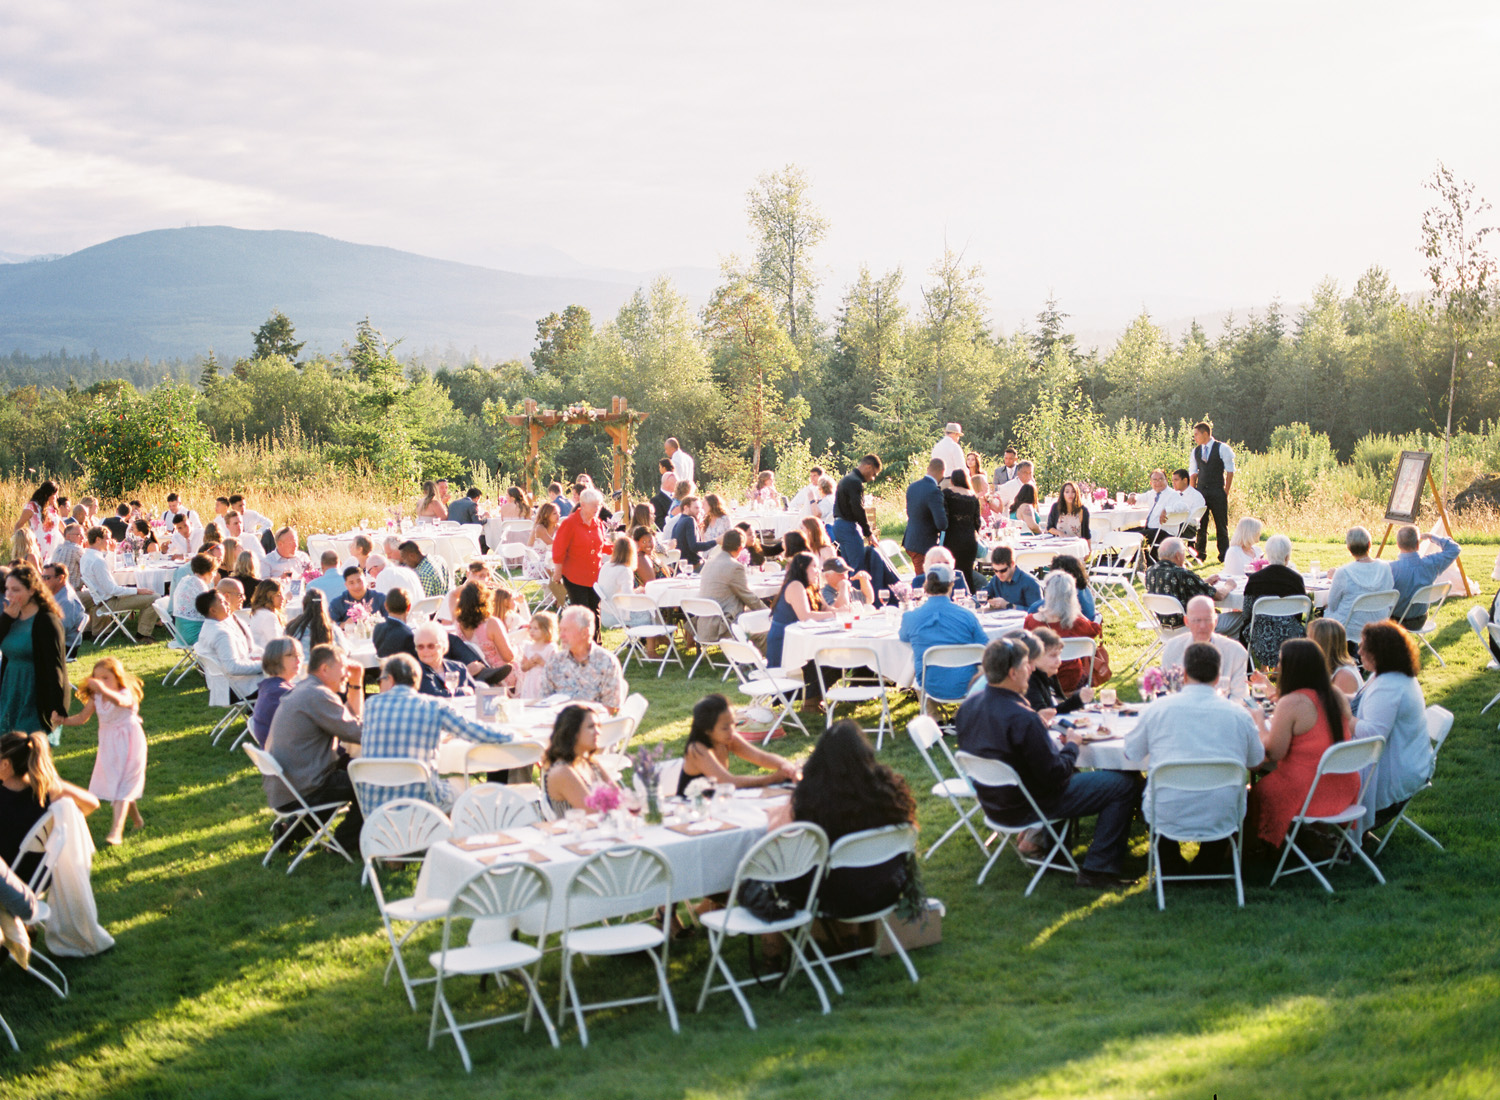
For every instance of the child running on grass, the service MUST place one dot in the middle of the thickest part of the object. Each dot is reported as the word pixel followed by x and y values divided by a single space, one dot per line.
pixel 120 768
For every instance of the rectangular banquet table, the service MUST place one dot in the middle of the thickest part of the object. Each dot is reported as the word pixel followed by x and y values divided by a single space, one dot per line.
pixel 1317 588
pixel 702 863
pixel 669 591
pixel 148 578
pixel 876 631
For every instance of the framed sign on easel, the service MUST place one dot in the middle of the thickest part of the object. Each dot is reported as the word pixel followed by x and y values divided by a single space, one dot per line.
pixel 1414 468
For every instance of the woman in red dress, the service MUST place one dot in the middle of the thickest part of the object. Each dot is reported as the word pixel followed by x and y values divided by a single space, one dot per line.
pixel 1310 716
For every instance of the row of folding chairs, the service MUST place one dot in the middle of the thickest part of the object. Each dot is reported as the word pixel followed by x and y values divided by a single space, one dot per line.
pixel 956 786
pixel 45 839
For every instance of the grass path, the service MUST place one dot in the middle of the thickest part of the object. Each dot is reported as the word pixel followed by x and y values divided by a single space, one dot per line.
pixel 232 980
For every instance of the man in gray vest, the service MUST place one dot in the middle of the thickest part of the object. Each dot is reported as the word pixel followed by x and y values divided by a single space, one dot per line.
pixel 1211 472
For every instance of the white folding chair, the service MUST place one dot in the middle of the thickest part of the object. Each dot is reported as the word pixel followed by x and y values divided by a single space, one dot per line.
pixel 9 1034
pixel 504 891
pixel 300 814
pixel 752 622
pixel 857 689
pixel 1277 607
pixel 1176 521
pixel 1494 632
pixel 1154 606
pixel 959 793
pixel 1029 561
pixel 1479 623
pixel 763 685
pixel 700 611
pixel 1433 596
pixel 983 772
pixel 187 660
pixel 427 607
pixel 947 656
pixel 1439 725
pixel 1342 758
pixel 627 878
pixel 491 808
pixel 45 839
pixel 867 848
pixel 622 605
pixel 1113 569
pixel 484 757
pixel 635 707
pixel 116 620
pixel 1199 778
pixel 402 830
pixel 221 694
pixel 1372 607
pixel 781 856
pixel 379 779
pixel 896 555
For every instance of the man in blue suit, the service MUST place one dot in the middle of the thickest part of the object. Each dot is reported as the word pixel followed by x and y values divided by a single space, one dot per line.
pixel 926 518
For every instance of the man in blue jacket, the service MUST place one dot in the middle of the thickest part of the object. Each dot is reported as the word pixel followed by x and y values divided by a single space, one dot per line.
pixel 926 518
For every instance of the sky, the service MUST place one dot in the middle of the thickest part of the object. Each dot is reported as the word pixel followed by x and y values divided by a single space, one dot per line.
pixel 1180 157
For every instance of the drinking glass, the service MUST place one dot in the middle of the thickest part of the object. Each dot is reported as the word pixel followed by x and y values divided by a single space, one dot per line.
pixel 450 680
pixel 573 818
pixel 1108 697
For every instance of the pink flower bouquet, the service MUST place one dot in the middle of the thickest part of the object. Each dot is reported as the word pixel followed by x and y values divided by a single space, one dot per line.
pixel 602 799
pixel 1152 681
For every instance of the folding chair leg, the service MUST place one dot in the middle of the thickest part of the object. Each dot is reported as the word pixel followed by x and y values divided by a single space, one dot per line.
pixel 799 961
pixel 38 957
pixel 1421 832
pixel 901 951
pixel 1491 703
pixel 9 1034
pixel 1435 653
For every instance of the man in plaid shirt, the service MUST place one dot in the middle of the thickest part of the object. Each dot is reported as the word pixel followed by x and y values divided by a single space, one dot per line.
pixel 434 579
pixel 1171 577
pixel 399 722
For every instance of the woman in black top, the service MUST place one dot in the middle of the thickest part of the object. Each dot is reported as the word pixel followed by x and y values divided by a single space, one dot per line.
pixel 1276 579
pixel 713 738
pixel 962 536
pixel 844 790
pixel 28 784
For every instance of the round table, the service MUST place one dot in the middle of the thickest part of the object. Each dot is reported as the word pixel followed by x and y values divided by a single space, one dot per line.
pixel 1317 588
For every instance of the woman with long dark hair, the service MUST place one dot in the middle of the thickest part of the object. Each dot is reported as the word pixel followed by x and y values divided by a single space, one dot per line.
pixel 1069 516
pixel 1310 716
pixel 844 790
pixel 33 662
pixel 962 537
pixel 314 627
pixel 798 601
pixel 815 535
pixel 28 784
pixel 569 764
pixel 712 739
pixel 1023 508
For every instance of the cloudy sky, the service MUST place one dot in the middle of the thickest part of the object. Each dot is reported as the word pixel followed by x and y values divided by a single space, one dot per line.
pixel 1180 156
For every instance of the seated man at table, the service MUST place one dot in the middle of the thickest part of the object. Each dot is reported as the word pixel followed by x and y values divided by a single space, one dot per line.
pixel 1171 577
pixel 1200 620
pixel 286 558
pixel 305 737
pixel 1412 571
pixel 234 527
pixel 331 583
pixel 685 533
pixel 466 508
pixel 581 670
pixel 55 577
pixel 430 575
pixel 226 641
pixel 356 593
pixel 403 722
pixel 999 724
pixel 725 581
pixel 1189 500
pixel 393 635
pixel 808 494
pixel 1011 586
pixel 100 583
pixel 1160 501
pixel 431 642
pixel 184 536
pixel 939 621
pixel 1195 724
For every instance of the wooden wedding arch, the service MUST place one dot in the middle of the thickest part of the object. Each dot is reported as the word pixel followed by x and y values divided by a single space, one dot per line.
pixel 619 421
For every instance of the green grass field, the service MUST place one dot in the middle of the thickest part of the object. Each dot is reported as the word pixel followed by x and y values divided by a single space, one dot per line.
pixel 233 980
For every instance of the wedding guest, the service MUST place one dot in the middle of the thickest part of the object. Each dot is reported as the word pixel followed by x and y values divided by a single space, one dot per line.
pixel 1171 577
pixel 581 668
pixel 202 577
pixel 1330 638
pixel 119 776
pixel 431 643
pixel 227 642
pixel 267 614
pixel 575 554
pixel 798 601
pixel 34 670
pixel 926 515
pixel 1061 612
pixel 1233 664
pixel 1069 517
pixel 1361 577
pixel 540 645
pixel 1010 586
pixel 1244 547
pixel 331 581
pixel 962 535
pixel 29 783
pixel 1067 563
pixel 1411 571
pixel 1043 692
pixel 808 494
pixel 314 627
pixel 55 577
pixel 713 738
pixel 1275 578
pixel 356 593
pixel 939 621
pixel 726 582
pixel 282 662
pixel 544 529
pixel 286 559
pixel 950 450
pixel 1391 705
pixel 477 624
pixel 99 581
pixel 569 765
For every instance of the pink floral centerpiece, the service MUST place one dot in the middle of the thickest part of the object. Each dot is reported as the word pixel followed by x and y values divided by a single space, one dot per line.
pixel 602 799
pixel 1152 681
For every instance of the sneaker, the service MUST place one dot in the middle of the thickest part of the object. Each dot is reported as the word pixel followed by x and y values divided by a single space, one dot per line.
pixel 1102 880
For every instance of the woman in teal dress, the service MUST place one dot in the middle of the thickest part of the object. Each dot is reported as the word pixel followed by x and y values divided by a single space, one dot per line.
pixel 33 665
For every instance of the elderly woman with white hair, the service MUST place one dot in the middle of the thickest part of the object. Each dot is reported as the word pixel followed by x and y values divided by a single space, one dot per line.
pixel 1361 577
pixel 440 676
pixel 1244 547
pixel 1275 578
pixel 1061 613
pixel 576 549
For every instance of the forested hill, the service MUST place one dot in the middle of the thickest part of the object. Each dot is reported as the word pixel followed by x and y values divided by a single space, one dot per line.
pixel 175 293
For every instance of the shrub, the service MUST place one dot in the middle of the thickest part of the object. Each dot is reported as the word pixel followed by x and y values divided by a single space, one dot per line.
pixel 123 440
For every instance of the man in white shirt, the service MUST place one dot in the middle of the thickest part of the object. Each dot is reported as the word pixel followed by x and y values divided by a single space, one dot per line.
pixel 100 584
pixel 388 576
pixel 234 528
pixel 175 507
pixel 1025 475
pixel 1211 469
pixel 1160 501
pixel 808 494
pixel 682 462
pixel 1200 620
pixel 185 538
pixel 949 450
pixel 1195 724
pixel 254 521
pixel 228 645
pixel 286 558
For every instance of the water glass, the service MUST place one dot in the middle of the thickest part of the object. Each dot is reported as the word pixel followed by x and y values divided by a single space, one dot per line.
pixel 573 818
pixel 1108 697
pixel 450 681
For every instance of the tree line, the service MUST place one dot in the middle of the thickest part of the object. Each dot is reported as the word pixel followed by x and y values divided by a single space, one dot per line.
pixel 758 379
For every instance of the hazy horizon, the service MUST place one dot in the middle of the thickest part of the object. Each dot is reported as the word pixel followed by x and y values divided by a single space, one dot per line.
pixel 1175 157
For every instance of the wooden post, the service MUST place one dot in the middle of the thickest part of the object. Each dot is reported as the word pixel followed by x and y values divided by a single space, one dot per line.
pixel 1443 511
pixel 1384 539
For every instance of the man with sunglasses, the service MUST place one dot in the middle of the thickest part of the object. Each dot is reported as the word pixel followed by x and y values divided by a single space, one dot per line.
pixel 1010 586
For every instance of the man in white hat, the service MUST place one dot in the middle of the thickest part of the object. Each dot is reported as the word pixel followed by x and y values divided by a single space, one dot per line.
pixel 949 451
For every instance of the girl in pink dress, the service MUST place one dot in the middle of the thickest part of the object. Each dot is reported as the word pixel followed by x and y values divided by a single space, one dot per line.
pixel 120 767
pixel 534 654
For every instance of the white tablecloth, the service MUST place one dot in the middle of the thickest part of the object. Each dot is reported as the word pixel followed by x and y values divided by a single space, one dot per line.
pixel 669 591
pixel 455 545
pixel 1106 755
pixel 701 864
pixel 1078 548
pixel 532 723
pixel 147 578
pixel 897 664
pixel 1118 518
pixel 780 522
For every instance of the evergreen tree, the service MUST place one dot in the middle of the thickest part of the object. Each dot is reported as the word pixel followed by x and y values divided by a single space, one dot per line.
pixel 277 337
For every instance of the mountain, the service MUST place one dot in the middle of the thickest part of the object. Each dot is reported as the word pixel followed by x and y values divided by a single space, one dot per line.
pixel 176 293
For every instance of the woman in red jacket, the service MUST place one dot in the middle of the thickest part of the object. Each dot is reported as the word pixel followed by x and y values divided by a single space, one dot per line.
pixel 1060 611
pixel 576 549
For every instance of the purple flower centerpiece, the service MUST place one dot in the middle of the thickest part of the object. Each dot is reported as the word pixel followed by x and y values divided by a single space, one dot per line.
pixel 1152 682
pixel 645 772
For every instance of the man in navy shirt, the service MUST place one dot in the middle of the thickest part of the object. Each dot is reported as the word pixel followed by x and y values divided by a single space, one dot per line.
pixel 357 590
pixel 926 516
pixel 999 724
pixel 1010 586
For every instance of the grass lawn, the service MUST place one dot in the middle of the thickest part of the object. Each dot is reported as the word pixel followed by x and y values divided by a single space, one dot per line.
pixel 233 980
